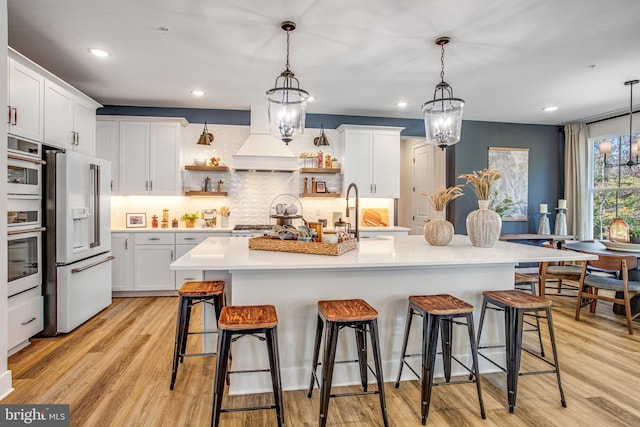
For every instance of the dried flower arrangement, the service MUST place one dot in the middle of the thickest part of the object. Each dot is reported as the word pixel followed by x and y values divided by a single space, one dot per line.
pixel 443 196
pixel 481 181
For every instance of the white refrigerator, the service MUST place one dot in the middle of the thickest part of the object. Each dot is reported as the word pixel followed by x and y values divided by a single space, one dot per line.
pixel 77 239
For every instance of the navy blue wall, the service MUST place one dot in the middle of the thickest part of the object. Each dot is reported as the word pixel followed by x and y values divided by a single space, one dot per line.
pixel 545 143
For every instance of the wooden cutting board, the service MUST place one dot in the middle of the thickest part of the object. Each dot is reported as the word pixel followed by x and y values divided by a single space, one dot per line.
pixel 375 217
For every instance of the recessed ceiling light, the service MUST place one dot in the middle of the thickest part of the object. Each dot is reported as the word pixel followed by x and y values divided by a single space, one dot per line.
pixel 196 92
pixel 401 104
pixel 99 52
pixel 311 99
pixel 550 108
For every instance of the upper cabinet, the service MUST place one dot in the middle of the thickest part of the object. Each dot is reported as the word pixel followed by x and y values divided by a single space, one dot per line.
pixel 371 159
pixel 70 121
pixel 26 102
pixel 43 108
pixel 144 154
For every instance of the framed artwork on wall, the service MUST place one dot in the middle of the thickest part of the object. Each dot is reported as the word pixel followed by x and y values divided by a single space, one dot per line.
pixel 511 193
pixel 136 220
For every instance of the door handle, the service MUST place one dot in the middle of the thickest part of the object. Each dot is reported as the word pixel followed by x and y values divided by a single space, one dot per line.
pixel 126 244
pixel 154 238
pixel 28 321
pixel 96 205
pixel 10 115
pixel 86 267
pixel 15 116
pixel 189 238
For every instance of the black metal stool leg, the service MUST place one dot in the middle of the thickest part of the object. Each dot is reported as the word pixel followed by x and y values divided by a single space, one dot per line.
pixel 427 370
pixel 514 321
pixel 274 364
pixel 405 340
pixel 185 329
pixel 331 341
pixel 316 352
pixel 180 324
pixel 377 360
pixel 361 343
pixel 475 368
pixel 446 335
pixel 555 355
pixel 224 346
pixel 483 310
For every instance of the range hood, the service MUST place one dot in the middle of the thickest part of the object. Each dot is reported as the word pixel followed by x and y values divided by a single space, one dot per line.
pixel 261 152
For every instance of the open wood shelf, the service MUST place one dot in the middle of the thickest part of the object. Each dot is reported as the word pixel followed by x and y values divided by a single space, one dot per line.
pixel 320 170
pixel 334 195
pixel 206 193
pixel 207 168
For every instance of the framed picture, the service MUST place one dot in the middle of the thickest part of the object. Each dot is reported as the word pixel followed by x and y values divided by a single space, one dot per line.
pixel 511 192
pixel 321 187
pixel 136 220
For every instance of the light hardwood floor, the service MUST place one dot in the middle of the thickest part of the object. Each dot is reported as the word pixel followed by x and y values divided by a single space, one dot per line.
pixel 115 371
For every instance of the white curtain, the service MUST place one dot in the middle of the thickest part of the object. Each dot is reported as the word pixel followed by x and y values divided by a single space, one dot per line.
pixel 576 189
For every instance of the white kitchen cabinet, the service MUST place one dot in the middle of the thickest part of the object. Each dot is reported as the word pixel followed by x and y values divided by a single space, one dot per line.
pixel 122 265
pixel 107 147
pixel 70 121
pixel 25 318
pixel 154 252
pixel 149 158
pixel 371 159
pixel 25 102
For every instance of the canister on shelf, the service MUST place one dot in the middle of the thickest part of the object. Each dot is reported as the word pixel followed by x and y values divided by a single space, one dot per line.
pixel 154 221
pixel 207 184
pixel 174 223
pixel 165 215
pixel 313 184
pixel 320 159
pixel 220 183
pixel 334 163
pixel 306 185
pixel 327 161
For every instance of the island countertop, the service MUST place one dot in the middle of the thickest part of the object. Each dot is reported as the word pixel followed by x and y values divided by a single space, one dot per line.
pixel 233 254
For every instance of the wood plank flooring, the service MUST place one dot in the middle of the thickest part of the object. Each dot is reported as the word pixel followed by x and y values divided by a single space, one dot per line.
pixel 115 370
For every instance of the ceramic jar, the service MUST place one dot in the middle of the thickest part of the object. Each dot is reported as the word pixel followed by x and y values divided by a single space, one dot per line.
pixel 483 226
pixel 438 231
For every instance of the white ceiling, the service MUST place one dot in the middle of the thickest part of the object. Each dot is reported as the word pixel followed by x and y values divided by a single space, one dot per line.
pixel 507 58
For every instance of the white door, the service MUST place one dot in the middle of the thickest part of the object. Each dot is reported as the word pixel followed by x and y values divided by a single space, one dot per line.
pixel 26 100
pixel 424 183
pixel 358 156
pixel 107 148
pixel 386 164
pixel 84 124
pixel 134 161
pixel 152 271
pixel 164 173
pixel 58 117
pixel 122 267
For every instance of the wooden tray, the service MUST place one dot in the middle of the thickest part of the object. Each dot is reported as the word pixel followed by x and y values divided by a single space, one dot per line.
pixel 314 248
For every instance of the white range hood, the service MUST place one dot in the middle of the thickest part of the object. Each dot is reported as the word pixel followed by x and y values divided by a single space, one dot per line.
pixel 262 152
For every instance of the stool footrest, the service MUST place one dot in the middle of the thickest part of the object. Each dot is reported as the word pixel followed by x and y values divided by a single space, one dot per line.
pixel 248 371
pixel 251 408
pixel 197 354
pixel 354 393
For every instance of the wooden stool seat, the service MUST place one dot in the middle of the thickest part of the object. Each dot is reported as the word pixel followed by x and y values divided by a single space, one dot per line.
pixel 248 317
pixel 191 294
pixel 195 289
pixel 439 314
pixel 346 310
pixel 517 299
pixel 440 304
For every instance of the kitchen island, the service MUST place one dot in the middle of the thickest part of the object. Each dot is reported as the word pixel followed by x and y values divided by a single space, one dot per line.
pixel 383 271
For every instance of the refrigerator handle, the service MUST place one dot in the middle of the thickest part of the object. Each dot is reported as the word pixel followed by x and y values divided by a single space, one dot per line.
pixel 86 267
pixel 96 205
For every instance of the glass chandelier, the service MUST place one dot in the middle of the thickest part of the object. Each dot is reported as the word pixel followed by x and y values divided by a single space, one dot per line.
pixel 287 103
pixel 443 115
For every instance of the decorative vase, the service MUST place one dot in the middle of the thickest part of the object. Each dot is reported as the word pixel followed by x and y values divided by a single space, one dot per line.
pixel 438 231
pixel 190 223
pixel 483 226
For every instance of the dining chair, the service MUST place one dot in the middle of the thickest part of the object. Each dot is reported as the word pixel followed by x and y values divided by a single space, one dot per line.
pixel 590 284
pixel 550 271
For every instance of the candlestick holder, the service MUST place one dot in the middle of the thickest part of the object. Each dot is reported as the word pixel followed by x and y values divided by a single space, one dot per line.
pixel 543 227
pixel 560 227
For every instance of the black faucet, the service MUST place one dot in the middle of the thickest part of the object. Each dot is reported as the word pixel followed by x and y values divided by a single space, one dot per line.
pixel 355 187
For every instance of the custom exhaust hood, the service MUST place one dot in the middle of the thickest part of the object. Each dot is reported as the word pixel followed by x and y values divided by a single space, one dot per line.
pixel 262 152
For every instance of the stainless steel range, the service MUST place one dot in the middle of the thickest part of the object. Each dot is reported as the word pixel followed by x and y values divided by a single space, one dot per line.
pixel 250 230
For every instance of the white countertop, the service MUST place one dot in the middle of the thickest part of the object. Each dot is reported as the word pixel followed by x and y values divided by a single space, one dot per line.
pixel 233 254
pixel 171 230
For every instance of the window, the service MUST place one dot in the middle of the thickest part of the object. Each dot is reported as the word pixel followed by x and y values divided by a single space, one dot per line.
pixel 616 186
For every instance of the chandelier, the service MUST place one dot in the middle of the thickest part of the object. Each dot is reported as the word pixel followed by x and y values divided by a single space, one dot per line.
pixel 606 146
pixel 287 103
pixel 443 115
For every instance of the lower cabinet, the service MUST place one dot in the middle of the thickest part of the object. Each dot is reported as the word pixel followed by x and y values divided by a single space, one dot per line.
pixel 25 318
pixel 142 259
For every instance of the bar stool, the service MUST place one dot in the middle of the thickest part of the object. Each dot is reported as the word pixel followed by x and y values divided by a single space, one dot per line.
pixel 529 282
pixel 362 318
pixel 515 304
pixel 191 294
pixel 234 323
pixel 439 312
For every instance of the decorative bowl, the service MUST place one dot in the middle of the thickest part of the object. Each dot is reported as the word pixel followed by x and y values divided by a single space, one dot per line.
pixel 199 162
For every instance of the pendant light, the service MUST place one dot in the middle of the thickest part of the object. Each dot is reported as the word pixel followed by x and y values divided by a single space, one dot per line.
pixel 443 115
pixel 633 147
pixel 206 138
pixel 287 103
pixel 322 139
